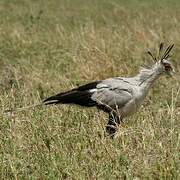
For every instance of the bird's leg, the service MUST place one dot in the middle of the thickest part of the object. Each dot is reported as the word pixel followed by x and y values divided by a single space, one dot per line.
pixel 114 121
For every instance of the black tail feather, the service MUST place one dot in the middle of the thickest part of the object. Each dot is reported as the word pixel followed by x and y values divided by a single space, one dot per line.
pixel 80 96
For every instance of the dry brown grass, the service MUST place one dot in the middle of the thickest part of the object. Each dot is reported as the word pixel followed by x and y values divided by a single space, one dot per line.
pixel 48 47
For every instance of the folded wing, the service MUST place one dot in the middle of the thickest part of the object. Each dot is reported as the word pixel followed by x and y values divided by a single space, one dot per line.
pixel 112 95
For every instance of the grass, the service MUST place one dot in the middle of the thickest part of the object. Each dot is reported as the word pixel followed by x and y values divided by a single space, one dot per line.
pixel 48 47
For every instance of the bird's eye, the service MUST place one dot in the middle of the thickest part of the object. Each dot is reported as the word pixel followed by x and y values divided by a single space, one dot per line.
pixel 167 66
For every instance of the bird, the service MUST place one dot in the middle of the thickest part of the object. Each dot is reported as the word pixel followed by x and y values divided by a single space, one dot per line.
pixel 119 97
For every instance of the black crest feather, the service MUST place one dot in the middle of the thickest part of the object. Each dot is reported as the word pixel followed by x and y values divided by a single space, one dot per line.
pixel 161 55
pixel 167 51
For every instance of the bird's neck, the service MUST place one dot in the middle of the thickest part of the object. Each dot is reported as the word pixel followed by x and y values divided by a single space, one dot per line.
pixel 147 77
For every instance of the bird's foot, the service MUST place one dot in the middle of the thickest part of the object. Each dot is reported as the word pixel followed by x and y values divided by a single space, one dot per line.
pixel 111 130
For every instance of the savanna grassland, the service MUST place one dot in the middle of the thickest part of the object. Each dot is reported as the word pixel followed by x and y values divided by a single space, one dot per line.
pixel 51 46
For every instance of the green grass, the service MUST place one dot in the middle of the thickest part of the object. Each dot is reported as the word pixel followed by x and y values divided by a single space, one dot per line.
pixel 50 46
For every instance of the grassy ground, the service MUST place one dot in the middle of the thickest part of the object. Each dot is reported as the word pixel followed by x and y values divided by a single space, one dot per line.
pixel 50 46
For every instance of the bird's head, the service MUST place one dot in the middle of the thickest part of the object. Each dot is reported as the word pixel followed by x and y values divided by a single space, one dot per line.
pixel 162 62
pixel 167 67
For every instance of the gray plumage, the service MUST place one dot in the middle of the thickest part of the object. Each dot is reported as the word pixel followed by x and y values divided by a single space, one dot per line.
pixel 119 96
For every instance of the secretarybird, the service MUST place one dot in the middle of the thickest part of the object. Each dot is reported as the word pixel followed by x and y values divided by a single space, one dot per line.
pixel 118 96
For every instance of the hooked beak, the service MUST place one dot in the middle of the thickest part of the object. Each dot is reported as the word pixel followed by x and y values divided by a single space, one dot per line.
pixel 171 73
